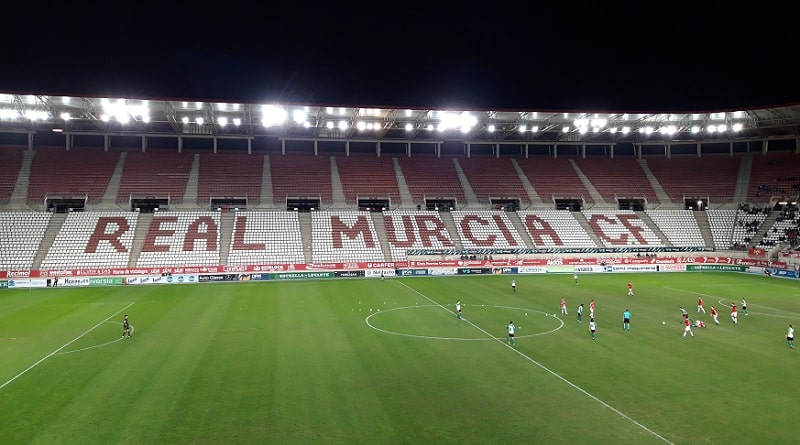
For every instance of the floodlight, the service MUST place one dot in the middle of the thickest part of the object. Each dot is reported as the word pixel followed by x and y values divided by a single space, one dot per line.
pixel 430 127
pixel 695 129
pixel 146 118
pixel 185 120
pixel 711 128
pixel 237 121
pixel 737 126
pixel 612 130
pixel 565 129
pixel 626 130
pixel 582 130
pixel 409 127
pixel 66 116
pixel 491 128
pixel 222 121
pixel 343 125
pixel 200 121
pixel 722 128
pixel 648 130
pixel 105 117
pixel 523 128
pixel 299 116
pixel 273 115
pixel 534 129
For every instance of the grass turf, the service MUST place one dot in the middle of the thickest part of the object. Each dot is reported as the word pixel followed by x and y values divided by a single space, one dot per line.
pixel 369 361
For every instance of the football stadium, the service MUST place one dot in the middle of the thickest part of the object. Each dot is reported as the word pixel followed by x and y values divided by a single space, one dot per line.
pixel 214 272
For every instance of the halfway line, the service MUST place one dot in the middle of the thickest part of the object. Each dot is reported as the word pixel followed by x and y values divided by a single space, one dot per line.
pixel 563 379
pixel 62 347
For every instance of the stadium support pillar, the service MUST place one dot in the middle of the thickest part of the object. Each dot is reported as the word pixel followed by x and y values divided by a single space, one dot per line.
pixel 668 153
pixel 611 150
pixel 526 151
pixel 378 148
pixel 180 144
pixel 215 144
pixel 699 149
pixel 438 149
pixel 67 138
pixel 316 147
pixel 468 146
pixel 496 150
pixel 249 146
pixel 347 148
pixel 30 141
pixel 797 145
pixel 144 143
pixel 730 148
pixel 283 146
pixel 106 142
pixel 583 151
pixel 555 151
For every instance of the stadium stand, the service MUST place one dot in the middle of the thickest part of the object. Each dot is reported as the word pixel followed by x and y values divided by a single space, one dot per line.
pixel 12 162
pixel 368 176
pixel 409 229
pixel 621 228
pixel 553 177
pixel 301 175
pixel 492 177
pixel 92 239
pixel 233 175
pixel 266 238
pixel 555 228
pixel 774 174
pixel 679 226
pixel 687 176
pixel 621 177
pixel 432 177
pixel 344 236
pixel 155 174
pixel 21 235
pixel 182 239
pixel 486 230
pixel 732 228
pixel 74 172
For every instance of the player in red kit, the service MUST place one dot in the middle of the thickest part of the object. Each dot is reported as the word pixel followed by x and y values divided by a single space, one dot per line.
pixel 630 289
pixel 714 315
pixel 734 314
pixel 687 328
pixel 700 307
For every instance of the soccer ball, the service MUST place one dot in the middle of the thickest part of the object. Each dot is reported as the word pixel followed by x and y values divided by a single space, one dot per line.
pixel 663 322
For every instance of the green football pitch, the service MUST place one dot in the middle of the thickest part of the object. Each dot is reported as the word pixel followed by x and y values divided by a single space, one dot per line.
pixel 388 362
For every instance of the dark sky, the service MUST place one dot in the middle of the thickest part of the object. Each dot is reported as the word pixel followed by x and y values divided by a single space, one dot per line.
pixel 558 56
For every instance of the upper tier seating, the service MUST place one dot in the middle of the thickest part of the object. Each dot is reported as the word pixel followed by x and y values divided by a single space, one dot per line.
pixel 182 239
pixel 774 174
pixel 555 228
pixel 492 177
pixel 368 176
pixel 409 229
pixel 621 228
pixel 344 236
pixel 299 175
pixel 687 176
pixel 230 175
pixel 553 178
pixel 266 238
pixel 432 177
pixel 73 172
pixel 160 174
pixel 679 226
pixel 486 230
pixel 618 177
pixel 12 161
pixel 91 240
pixel 21 235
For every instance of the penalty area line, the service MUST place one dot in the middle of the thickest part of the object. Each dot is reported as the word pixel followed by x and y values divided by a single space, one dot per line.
pixel 549 371
pixel 62 347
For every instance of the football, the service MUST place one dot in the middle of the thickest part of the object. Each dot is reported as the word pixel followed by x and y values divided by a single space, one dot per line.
pixel 663 322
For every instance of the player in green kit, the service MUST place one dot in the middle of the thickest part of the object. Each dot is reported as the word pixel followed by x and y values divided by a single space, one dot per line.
pixel 580 313
pixel 626 320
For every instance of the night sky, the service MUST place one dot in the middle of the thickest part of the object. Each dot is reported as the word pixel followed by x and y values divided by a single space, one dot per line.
pixel 563 56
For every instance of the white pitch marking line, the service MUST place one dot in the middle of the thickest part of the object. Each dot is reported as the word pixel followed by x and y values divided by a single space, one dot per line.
pixel 791 316
pixel 548 370
pixel 97 346
pixel 62 347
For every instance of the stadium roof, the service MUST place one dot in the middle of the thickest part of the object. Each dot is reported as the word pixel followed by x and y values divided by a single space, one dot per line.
pixel 174 118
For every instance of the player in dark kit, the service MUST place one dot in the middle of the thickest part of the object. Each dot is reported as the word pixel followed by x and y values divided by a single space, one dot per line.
pixel 126 327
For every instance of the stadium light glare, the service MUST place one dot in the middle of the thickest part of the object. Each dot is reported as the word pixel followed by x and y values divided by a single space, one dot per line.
pixel 648 130
pixel 722 128
pixel 185 120
pixel 306 124
pixel 105 118
pixel 523 128
pixel 361 125
pixel 146 118
pixel 200 121
pixel 737 127
pixel 299 116
pixel 430 127
pixel 409 127
pixel 123 118
pixel 711 128
pixel 612 130
pixel 222 121
pixel 534 129
pixel 626 130
pixel 273 115
pixel 565 128
pixel 491 128
pixel 583 130
pixel 237 121
pixel 695 129
pixel 343 125
pixel 65 100
pixel 66 116
pixel 329 125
